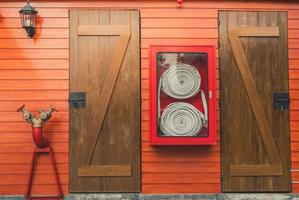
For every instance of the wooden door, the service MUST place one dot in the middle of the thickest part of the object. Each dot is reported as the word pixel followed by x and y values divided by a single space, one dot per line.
pixel 255 140
pixel 105 134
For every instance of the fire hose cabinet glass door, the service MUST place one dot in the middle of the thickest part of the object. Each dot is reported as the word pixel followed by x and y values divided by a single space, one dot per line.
pixel 182 95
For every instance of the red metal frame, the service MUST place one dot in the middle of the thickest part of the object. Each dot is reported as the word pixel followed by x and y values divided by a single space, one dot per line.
pixel 35 153
pixel 154 138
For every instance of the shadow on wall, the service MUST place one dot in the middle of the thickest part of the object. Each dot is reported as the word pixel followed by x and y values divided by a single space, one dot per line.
pixel 38 30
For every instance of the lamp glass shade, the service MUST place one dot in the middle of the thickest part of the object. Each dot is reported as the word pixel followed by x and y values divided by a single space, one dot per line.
pixel 28 16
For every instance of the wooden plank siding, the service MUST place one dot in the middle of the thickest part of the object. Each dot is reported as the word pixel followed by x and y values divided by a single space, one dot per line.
pixel 35 72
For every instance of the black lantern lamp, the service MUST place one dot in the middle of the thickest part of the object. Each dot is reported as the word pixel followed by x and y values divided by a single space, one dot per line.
pixel 28 15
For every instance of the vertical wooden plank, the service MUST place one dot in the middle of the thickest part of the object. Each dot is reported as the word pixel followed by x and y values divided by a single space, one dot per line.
pixel 229 69
pixel 265 89
pixel 283 140
pixel 223 43
pixel 82 115
pixel 136 74
pixel 113 140
pixel 256 141
pixel 92 87
pixel 247 117
pixel 98 79
pixel 74 122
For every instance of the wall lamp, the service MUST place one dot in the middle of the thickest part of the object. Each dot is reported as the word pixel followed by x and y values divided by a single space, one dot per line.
pixel 28 17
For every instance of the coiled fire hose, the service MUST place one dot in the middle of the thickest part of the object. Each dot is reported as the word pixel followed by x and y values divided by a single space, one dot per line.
pixel 181 81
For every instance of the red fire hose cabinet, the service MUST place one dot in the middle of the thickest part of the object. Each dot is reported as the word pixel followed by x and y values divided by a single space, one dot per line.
pixel 182 95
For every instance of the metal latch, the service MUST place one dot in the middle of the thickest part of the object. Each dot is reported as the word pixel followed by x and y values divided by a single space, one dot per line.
pixel 77 100
pixel 281 101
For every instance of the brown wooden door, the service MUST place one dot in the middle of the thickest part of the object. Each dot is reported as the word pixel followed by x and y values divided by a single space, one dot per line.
pixel 105 134
pixel 255 140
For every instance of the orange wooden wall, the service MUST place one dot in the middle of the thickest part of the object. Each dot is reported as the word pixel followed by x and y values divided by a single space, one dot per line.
pixel 35 72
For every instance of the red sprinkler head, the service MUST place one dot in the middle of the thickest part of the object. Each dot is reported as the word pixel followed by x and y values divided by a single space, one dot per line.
pixel 179 3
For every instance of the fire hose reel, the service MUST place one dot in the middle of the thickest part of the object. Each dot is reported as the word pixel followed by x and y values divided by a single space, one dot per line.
pixel 182 81
pixel 181 78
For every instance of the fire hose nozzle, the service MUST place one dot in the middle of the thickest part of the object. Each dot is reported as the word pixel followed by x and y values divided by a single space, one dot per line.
pixel 21 109
pixel 53 108
pixel 27 115
pixel 46 115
